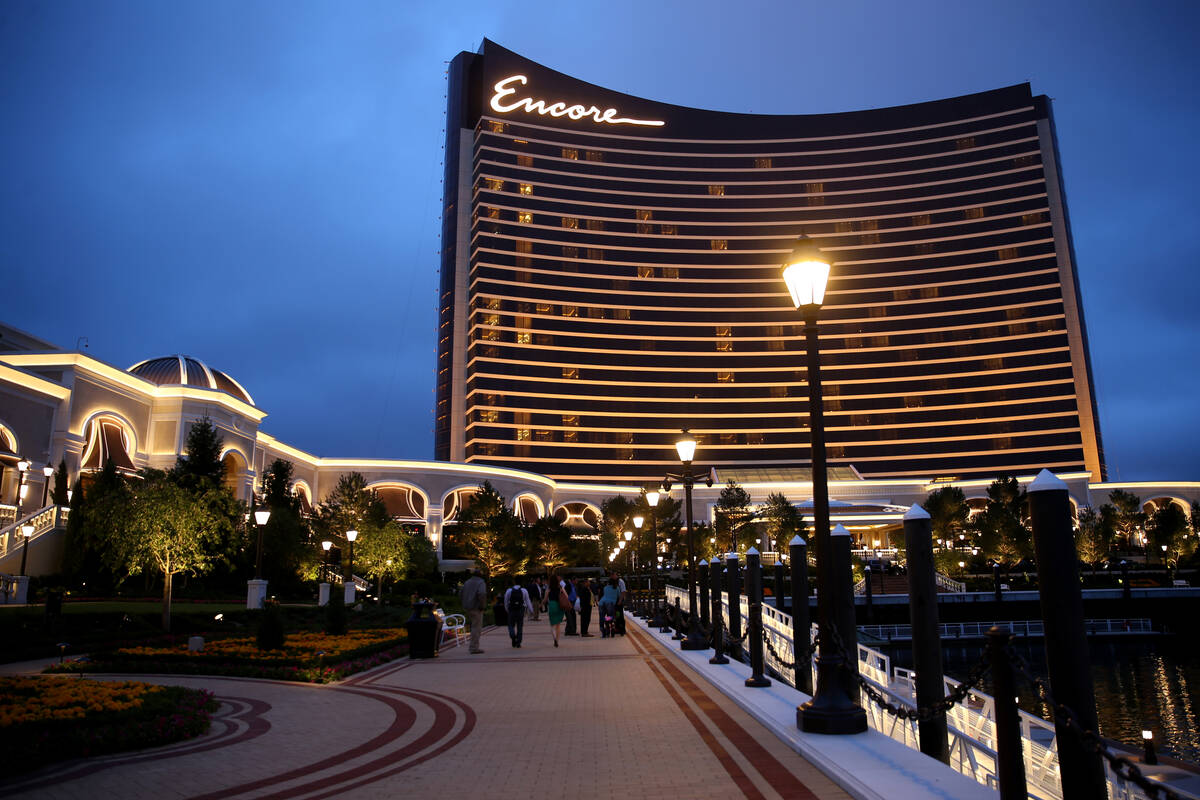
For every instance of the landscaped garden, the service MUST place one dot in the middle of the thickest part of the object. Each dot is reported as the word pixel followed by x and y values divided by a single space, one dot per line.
pixel 43 720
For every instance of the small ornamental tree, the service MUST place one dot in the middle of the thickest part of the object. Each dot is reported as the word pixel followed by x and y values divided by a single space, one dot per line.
pixel 949 513
pixel 62 482
pixel 201 460
pixel 493 535
pixel 1166 528
pixel 784 521
pixel 733 508
pixel 1127 515
pixel 1093 539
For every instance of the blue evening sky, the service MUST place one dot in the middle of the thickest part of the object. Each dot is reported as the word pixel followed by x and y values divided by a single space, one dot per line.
pixel 258 183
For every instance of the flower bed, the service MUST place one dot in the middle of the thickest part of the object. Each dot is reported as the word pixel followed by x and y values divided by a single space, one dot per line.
pixel 43 720
pixel 308 657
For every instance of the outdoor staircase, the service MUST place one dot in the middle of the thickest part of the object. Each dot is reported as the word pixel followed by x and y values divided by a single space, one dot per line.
pixel 45 545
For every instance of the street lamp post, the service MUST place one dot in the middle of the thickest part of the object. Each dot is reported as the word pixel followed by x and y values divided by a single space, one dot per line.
pixel 256 588
pixel 638 521
pixel 26 533
pixel 47 471
pixel 686 447
pixel 348 594
pixel 632 551
pixel 831 709
pixel 260 516
pixel 22 468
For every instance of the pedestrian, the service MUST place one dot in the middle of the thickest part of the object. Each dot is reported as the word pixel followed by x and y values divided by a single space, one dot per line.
pixel 499 612
pixel 474 599
pixel 619 614
pixel 584 592
pixel 556 607
pixel 572 601
pixel 517 603
pixel 537 597
pixel 609 599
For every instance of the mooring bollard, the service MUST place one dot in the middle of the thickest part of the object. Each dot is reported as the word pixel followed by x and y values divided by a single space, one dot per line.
pixel 755 596
pixel 926 637
pixel 735 606
pixel 718 617
pixel 1080 767
pixel 801 618
pixel 1010 760
pixel 679 625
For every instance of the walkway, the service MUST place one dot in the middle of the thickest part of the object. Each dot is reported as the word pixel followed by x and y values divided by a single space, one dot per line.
pixel 594 718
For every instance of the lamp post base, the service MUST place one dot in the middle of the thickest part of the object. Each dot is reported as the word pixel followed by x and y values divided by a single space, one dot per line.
pixel 256 593
pixel 323 595
pixel 833 721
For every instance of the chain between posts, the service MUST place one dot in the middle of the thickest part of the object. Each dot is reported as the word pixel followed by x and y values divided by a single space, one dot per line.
pixel 1121 766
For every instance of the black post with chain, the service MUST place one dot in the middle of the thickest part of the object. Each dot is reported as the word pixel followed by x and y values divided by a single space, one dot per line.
pixel 754 593
pixel 1080 768
pixel 718 615
pixel 926 636
pixel 1010 758
pixel 735 607
pixel 801 616
pixel 679 634
pixel 705 586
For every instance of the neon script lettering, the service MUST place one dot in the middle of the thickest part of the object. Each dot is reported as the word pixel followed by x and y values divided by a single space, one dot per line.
pixel 558 109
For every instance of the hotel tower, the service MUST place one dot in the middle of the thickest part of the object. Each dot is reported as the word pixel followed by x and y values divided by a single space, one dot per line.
pixel 610 274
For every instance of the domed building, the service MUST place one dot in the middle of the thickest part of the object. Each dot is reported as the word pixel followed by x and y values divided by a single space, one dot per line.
pixel 180 370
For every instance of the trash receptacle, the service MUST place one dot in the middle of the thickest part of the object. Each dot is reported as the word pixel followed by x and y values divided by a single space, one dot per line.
pixel 423 632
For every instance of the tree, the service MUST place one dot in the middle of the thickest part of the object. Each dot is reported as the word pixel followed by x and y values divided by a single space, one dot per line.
pixel 62 482
pixel 289 554
pixel 201 460
pixel 783 521
pixel 1166 529
pixel 548 541
pixel 493 534
pixel 1003 526
pixel 99 512
pixel 1127 515
pixel 382 553
pixel 350 506
pixel 1093 538
pixel 733 509
pixel 420 555
pixel 171 531
pixel 949 513
pixel 616 514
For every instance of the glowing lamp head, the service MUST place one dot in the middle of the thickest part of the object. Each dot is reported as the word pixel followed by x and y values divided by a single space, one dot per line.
pixel 27 530
pixel 1147 735
pixel 628 535
pixel 47 470
pixel 806 272
pixel 652 499
pixel 637 521
pixel 23 465
pixel 325 545
pixel 262 515
pixel 623 543
pixel 351 535
pixel 686 447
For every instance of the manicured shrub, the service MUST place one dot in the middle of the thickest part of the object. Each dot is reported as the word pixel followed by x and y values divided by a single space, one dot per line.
pixel 271 635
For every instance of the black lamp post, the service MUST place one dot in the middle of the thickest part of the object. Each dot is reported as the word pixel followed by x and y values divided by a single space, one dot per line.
pixel 638 521
pixel 26 532
pixel 831 709
pixel 47 471
pixel 260 517
pixel 325 545
pixel 22 467
pixel 686 447
pixel 351 535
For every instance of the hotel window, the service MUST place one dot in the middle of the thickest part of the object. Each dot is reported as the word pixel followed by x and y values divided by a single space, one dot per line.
pixel 719 244
pixel 643 226
pixel 913 401
pixel 815 189
pixel 1036 218
pixel 524 249
pixel 595 224
pixel 524 337
pixel 876 312
pixel 525 188
pixel 1002 443
pixel 490 335
pixel 670 272
pixel 762 163
pixel 729 438
pixel 1006 253
pixel 570 252
pixel 570 437
pixel 1019 329
pixel 522 434
pixel 525 217
pixel 522 276
pixel 524 160
pixel 973 213
pixel 648 345
pixel 993 364
pixel 1024 161
pixel 643 214
pixel 625 453
pixel 843 227
pixel 620 284
pixel 570 373
pixel 716 190
pixel 920 219
pixel 779 391
pixel 488 415
pixel 621 313
pixel 879 341
pixel 570 222
pixel 755 438
pixel 542 435
pixel 965 143
pixel 570 311
pixel 543 339
pixel 645 271
pixel 923 249
pixel 724 338
pixel 486 448
pixel 492 303
pixel 491 319
pixel 595 312
pixel 495 184
pixel 869 225
pixel 833 405
pixel 545 308
pixel 489 351
pixel 593 155
pixel 594 254
pixel 929 292
pixel 570 153
pixel 492 212
pixel 724 377
pixel 668 230
pixel 496 126
pixel 1015 313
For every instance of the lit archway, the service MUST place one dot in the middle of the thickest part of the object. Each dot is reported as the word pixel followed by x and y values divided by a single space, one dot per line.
pixel 108 437
pixel 234 476
pixel 529 508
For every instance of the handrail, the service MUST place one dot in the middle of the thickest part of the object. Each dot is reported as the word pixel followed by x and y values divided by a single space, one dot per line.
pixel 948 583
pixel 1026 628
pixel 44 520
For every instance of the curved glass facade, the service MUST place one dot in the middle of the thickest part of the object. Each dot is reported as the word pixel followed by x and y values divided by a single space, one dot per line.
pixel 606 283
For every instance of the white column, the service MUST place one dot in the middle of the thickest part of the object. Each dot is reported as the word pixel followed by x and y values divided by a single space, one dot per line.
pixel 256 593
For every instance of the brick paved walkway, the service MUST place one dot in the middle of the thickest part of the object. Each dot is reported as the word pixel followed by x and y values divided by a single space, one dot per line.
pixel 594 718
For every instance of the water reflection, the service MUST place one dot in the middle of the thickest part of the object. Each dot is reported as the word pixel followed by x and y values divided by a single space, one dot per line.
pixel 1143 683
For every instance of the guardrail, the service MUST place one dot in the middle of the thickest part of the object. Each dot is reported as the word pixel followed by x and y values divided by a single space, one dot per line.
pixel 971 724
pixel 1026 628
pixel 43 520
pixel 949 584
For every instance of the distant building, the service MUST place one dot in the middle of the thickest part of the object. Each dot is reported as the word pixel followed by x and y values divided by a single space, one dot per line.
pixel 610 275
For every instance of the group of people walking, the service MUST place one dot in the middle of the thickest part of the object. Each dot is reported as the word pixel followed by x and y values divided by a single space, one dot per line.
pixel 565 601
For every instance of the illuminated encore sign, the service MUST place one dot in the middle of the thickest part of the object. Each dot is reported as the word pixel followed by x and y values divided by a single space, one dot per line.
pixel 557 109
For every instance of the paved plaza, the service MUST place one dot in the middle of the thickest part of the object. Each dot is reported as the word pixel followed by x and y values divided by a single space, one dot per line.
pixel 593 718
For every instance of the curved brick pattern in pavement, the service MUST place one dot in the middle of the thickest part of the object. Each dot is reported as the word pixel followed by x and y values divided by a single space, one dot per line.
pixel 593 718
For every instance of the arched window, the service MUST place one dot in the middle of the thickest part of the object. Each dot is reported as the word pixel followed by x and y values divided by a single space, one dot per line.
pixel 107 438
